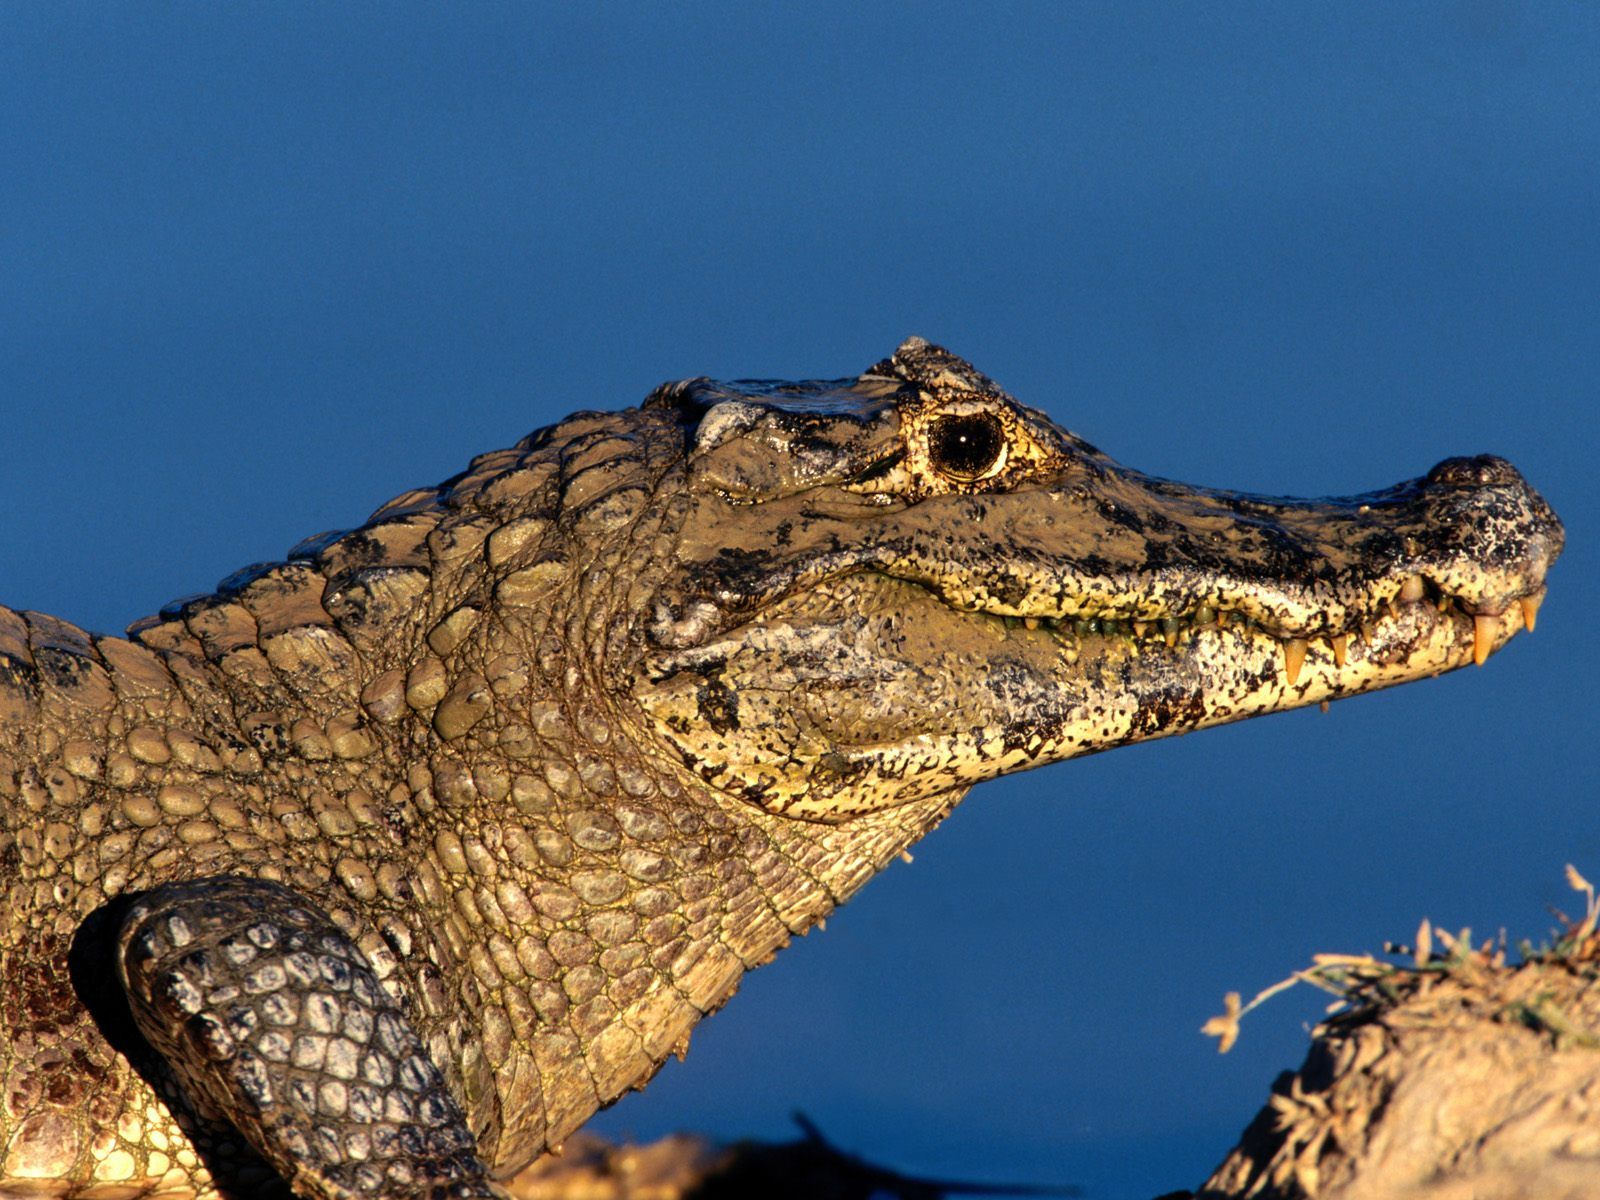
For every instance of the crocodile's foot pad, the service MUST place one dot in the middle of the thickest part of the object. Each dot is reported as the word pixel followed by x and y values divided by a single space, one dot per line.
pixel 272 1019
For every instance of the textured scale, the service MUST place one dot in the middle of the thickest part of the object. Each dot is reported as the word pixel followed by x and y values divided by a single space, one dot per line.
pixel 270 1020
pixel 403 856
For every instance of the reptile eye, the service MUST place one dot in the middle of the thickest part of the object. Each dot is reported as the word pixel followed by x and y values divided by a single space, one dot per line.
pixel 968 446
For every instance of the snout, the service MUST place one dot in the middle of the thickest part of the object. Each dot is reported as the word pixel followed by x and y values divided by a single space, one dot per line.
pixel 1486 532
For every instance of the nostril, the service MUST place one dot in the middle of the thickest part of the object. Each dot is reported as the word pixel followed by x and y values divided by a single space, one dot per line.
pixel 1483 470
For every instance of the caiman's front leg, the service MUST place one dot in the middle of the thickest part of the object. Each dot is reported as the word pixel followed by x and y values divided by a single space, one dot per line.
pixel 272 1019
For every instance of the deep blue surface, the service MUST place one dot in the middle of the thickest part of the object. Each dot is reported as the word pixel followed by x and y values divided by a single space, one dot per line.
pixel 262 268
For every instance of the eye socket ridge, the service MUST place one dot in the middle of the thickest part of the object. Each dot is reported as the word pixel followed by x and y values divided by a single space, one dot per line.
pixel 967 446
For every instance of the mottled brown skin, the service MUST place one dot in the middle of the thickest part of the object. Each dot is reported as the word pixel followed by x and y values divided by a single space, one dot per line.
pixel 559 749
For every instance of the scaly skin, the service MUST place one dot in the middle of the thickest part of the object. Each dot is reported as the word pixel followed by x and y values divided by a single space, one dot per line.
pixel 545 758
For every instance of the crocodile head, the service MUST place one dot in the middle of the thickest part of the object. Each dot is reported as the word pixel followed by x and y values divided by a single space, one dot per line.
pixel 895 586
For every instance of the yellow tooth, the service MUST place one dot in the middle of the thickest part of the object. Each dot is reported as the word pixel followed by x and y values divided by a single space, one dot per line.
pixel 1294 657
pixel 1341 647
pixel 1411 589
pixel 1031 622
pixel 1172 637
pixel 1392 608
pixel 1530 611
pixel 1139 627
pixel 1484 630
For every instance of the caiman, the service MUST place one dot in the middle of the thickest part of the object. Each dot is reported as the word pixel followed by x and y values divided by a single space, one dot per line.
pixel 378 870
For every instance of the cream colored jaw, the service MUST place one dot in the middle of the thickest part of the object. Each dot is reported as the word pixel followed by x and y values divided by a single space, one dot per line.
pixel 1249 677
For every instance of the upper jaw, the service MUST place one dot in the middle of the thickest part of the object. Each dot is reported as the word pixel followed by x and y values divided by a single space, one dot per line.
pixel 1147 557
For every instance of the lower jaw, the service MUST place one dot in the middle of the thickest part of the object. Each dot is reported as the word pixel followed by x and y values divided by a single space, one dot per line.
pixel 1210 676
pixel 1024 694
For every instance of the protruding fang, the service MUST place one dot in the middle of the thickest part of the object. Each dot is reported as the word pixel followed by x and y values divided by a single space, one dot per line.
pixel 1484 630
pixel 1530 611
pixel 1341 647
pixel 1411 589
pixel 1294 657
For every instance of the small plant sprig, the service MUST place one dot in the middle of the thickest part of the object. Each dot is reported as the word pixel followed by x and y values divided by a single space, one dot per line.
pixel 1361 980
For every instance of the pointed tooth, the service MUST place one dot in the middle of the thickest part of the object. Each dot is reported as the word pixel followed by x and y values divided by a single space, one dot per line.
pixel 1139 627
pixel 1341 647
pixel 1484 630
pixel 1031 622
pixel 1411 589
pixel 1324 706
pixel 1393 609
pixel 1171 635
pixel 1294 657
pixel 1530 611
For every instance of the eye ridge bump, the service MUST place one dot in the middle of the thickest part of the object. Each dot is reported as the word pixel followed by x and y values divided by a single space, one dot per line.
pixel 967 446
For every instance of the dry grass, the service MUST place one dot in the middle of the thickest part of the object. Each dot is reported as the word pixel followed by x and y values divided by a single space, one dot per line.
pixel 1450 1069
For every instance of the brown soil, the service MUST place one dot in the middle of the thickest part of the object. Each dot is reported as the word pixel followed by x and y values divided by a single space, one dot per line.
pixel 1463 1078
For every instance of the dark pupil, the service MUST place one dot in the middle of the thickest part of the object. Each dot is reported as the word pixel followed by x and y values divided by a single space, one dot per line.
pixel 966 446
